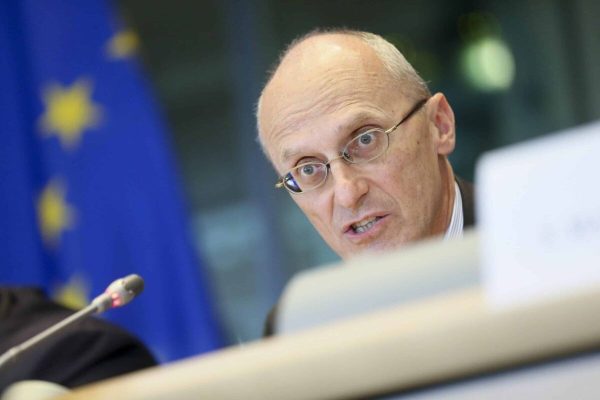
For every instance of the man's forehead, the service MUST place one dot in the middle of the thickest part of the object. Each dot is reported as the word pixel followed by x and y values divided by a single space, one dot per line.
pixel 317 77
pixel 338 127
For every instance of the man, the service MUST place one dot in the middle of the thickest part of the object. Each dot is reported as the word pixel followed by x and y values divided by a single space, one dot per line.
pixel 87 351
pixel 361 144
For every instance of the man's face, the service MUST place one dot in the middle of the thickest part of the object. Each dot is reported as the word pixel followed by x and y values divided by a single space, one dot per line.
pixel 321 97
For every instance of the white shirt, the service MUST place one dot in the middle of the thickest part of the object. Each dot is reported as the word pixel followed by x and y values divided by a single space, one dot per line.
pixel 455 229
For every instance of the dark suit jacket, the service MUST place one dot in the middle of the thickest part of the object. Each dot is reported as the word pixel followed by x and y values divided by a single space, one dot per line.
pixel 466 193
pixel 90 350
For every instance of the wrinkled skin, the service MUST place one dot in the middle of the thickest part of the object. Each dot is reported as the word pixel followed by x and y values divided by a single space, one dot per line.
pixel 328 89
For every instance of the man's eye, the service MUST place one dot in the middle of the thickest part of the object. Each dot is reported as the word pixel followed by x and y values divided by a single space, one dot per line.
pixel 307 169
pixel 366 138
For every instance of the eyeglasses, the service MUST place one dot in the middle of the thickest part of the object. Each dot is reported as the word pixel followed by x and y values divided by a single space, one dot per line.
pixel 363 148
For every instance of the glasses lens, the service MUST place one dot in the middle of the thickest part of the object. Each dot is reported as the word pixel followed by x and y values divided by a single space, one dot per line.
pixel 305 177
pixel 366 146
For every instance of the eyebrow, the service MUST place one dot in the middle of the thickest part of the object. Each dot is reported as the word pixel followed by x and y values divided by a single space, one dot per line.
pixel 351 125
pixel 288 154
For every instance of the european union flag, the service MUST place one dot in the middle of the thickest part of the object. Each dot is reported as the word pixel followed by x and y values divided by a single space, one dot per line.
pixel 88 191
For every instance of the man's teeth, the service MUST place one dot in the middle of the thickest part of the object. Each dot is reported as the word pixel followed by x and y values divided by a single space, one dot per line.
pixel 364 226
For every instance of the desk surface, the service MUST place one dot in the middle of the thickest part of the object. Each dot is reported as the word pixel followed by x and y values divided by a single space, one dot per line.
pixel 437 340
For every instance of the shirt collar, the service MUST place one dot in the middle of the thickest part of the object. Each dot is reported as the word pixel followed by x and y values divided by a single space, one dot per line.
pixel 455 228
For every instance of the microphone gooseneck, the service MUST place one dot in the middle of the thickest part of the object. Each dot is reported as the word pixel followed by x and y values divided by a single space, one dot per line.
pixel 117 294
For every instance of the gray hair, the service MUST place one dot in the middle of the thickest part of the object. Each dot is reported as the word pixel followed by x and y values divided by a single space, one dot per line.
pixel 401 71
pixel 396 64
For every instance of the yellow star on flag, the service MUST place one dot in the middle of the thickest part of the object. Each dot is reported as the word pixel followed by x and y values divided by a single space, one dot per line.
pixel 54 214
pixel 123 44
pixel 69 111
pixel 72 294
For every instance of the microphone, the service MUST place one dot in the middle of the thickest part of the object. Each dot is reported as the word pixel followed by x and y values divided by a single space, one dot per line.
pixel 117 294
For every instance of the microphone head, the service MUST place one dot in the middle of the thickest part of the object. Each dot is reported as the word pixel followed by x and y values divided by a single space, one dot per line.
pixel 133 283
pixel 123 290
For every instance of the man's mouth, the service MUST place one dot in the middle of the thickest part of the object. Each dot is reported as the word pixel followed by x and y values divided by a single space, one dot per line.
pixel 364 225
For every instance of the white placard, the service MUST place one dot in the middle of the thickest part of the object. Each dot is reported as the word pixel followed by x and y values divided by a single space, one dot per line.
pixel 538 212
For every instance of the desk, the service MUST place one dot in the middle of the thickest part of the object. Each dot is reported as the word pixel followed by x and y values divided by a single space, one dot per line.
pixel 393 351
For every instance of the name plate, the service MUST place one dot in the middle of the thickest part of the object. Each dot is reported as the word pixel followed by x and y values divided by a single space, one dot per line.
pixel 538 211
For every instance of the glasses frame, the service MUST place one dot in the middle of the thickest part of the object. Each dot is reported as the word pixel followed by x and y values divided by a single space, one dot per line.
pixel 343 155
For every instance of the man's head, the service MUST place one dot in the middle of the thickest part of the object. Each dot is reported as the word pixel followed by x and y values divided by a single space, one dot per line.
pixel 331 87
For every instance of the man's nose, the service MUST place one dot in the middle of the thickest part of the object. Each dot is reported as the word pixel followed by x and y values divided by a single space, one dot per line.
pixel 349 185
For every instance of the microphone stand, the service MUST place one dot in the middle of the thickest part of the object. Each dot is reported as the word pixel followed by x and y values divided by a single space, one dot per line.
pixel 118 293
pixel 10 354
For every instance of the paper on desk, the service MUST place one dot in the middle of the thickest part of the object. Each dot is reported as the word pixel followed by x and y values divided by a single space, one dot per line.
pixel 538 210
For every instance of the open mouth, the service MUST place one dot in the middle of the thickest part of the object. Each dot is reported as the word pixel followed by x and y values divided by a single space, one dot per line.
pixel 365 225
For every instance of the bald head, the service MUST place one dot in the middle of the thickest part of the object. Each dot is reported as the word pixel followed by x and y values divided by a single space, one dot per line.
pixel 335 54
pixel 340 93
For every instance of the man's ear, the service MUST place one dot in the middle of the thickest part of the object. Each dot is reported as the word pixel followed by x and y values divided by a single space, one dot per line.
pixel 441 117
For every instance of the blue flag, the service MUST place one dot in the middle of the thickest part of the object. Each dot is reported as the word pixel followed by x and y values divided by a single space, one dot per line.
pixel 88 190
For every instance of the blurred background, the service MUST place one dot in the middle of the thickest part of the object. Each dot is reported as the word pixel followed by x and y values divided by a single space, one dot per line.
pixel 512 70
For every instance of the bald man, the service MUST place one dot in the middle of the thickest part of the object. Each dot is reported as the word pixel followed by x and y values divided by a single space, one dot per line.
pixel 361 144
